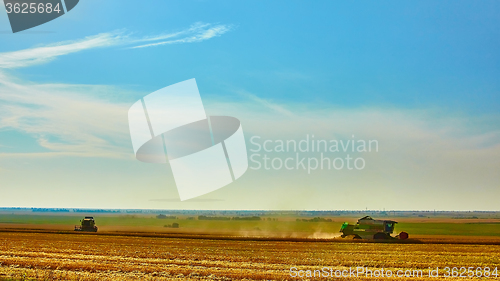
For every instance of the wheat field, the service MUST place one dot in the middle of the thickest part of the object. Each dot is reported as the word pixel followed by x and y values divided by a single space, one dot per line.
pixel 54 256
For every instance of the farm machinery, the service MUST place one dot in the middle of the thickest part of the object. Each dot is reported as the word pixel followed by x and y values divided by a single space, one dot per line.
pixel 368 228
pixel 87 224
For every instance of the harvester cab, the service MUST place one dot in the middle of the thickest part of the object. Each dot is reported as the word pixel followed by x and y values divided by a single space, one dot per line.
pixel 368 228
pixel 87 224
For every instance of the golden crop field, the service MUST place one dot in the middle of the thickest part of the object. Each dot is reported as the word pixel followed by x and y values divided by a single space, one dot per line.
pixel 55 256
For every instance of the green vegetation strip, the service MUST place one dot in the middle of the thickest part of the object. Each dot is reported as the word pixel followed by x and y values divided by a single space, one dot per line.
pixel 264 226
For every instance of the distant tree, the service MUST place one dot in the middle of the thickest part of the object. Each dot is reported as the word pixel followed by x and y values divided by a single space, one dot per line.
pixel 213 218
pixel 253 218
pixel 160 216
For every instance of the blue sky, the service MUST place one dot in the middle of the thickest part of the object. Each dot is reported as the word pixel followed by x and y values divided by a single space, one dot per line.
pixel 442 53
pixel 421 75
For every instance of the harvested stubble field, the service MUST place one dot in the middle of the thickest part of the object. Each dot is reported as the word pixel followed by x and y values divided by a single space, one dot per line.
pixel 54 256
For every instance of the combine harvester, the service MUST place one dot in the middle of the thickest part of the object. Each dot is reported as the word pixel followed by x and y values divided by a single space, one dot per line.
pixel 87 224
pixel 368 228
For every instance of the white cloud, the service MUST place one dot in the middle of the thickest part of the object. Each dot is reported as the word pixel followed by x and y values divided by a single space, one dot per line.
pixel 63 119
pixel 194 28
pixel 197 33
pixel 38 55
pixel 266 103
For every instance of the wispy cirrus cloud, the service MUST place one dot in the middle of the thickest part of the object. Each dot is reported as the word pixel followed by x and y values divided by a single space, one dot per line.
pixel 39 55
pixel 197 33
pixel 266 103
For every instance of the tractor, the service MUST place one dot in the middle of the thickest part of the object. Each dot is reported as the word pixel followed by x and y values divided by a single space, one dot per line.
pixel 368 228
pixel 87 224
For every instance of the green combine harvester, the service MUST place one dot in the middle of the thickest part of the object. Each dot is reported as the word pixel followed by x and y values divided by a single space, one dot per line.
pixel 87 224
pixel 368 228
